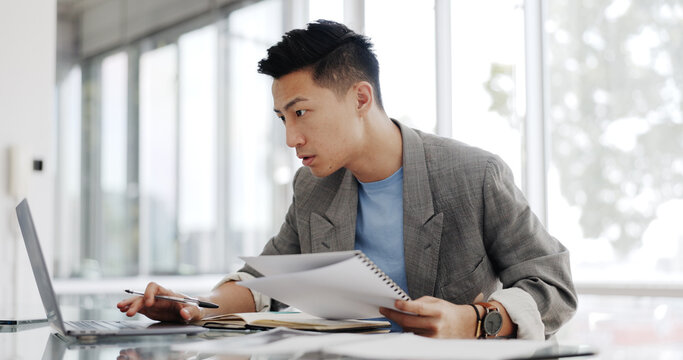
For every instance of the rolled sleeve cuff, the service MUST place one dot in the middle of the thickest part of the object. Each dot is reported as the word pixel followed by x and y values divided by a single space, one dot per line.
pixel 261 301
pixel 523 311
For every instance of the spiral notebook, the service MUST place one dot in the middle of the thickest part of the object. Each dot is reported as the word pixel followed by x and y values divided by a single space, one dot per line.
pixel 334 285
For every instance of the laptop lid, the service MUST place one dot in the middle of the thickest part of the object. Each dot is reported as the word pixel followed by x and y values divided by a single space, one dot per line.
pixel 49 299
pixel 35 256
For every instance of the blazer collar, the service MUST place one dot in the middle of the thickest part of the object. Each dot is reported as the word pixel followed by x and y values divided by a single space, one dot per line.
pixel 421 226
pixel 336 229
pixel 415 177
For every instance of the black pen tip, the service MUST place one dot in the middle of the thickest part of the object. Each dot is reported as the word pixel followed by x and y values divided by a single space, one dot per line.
pixel 207 305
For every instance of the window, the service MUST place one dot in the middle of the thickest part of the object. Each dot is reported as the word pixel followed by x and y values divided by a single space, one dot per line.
pixel 255 138
pixel 68 249
pixel 185 166
pixel 616 119
pixel 197 150
pixel 115 251
pixel 158 165
pixel 326 9
pixel 488 77
pixel 407 61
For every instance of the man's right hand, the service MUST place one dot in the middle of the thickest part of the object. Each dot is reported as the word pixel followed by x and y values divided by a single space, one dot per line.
pixel 159 309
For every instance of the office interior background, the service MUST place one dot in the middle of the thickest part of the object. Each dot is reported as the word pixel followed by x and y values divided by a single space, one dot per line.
pixel 145 140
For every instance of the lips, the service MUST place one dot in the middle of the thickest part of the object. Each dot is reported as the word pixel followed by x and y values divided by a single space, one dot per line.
pixel 306 159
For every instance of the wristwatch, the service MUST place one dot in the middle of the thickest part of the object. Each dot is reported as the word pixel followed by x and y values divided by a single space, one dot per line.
pixel 491 322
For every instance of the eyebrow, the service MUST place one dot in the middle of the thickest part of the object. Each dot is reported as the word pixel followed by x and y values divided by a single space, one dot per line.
pixel 291 103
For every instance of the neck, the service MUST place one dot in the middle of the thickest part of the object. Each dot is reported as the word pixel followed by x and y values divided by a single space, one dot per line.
pixel 381 151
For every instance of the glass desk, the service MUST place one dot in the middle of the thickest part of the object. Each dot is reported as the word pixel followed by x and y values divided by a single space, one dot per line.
pixel 617 328
pixel 36 342
pixel 39 341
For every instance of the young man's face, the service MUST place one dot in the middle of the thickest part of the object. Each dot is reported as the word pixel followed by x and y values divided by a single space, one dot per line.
pixel 324 129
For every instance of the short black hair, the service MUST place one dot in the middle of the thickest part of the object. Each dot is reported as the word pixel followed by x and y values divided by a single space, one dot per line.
pixel 337 57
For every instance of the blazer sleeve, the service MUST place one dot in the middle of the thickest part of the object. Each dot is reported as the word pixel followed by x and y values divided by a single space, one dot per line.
pixel 521 250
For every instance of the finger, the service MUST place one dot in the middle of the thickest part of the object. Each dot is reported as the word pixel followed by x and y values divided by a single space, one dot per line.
pixel 126 302
pixel 385 311
pixel 134 307
pixel 190 313
pixel 429 299
pixel 479 298
pixel 408 320
pixel 151 290
pixel 420 306
pixel 418 331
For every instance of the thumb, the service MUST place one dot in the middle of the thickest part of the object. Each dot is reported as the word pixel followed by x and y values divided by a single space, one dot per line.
pixel 190 313
pixel 479 298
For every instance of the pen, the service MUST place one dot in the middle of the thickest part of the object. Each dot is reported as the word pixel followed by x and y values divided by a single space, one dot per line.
pixel 186 300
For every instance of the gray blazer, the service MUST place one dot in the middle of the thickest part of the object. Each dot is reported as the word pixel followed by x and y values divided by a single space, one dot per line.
pixel 467 228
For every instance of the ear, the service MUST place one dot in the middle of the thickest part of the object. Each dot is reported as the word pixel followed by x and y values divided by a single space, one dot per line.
pixel 364 97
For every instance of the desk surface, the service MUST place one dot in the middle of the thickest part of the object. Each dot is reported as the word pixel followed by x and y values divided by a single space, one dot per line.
pixel 41 342
pixel 622 330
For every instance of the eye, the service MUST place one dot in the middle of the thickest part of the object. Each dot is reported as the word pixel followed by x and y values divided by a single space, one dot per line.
pixel 282 118
pixel 300 113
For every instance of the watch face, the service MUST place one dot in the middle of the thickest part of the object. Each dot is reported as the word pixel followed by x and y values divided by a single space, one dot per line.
pixel 493 321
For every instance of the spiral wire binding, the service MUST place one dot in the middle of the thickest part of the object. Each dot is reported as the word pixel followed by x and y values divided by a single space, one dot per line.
pixel 384 277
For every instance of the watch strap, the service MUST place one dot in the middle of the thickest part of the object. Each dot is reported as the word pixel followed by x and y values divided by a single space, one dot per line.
pixel 477 332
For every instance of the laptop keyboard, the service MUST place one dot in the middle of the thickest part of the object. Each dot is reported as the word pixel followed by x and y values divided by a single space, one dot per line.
pixel 97 325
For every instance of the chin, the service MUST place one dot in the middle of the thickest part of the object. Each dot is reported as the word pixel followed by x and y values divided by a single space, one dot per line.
pixel 324 172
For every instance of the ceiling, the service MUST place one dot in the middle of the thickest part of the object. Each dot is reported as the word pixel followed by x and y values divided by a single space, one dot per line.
pixel 75 7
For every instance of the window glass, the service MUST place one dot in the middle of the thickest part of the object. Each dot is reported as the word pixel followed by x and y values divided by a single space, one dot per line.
pixel 487 46
pixel 254 142
pixel 616 120
pixel 68 247
pixel 404 44
pixel 115 252
pixel 326 9
pixel 157 159
pixel 197 152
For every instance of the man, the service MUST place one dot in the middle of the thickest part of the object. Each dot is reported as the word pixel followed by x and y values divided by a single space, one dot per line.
pixel 442 219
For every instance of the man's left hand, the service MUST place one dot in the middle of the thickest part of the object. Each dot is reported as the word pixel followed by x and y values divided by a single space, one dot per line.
pixel 434 317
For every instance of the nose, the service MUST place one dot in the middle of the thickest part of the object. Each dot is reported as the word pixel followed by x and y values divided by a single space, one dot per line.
pixel 294 137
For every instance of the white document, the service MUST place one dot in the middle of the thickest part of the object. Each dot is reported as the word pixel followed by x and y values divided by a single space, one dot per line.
pixel 336 285
pixel 411 346
pixel 281 264
pixel 276 341
pixel 393 346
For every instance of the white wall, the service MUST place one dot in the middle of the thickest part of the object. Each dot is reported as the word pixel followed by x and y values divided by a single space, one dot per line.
pixel 27 77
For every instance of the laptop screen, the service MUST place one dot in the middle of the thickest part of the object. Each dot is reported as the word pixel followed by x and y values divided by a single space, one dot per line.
pixel 35 255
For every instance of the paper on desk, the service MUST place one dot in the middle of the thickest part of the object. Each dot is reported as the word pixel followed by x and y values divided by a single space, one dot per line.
pixel 376 346
pixel 276 341
pixel 411 346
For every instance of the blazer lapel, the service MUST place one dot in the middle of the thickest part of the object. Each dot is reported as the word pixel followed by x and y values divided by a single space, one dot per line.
pixel 421 226
pixel 336 229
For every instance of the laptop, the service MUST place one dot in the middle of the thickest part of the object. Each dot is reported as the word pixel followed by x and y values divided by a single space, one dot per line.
pixel 84 328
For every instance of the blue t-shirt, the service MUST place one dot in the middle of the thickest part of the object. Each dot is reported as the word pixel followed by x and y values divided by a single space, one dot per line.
pixel 379 227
